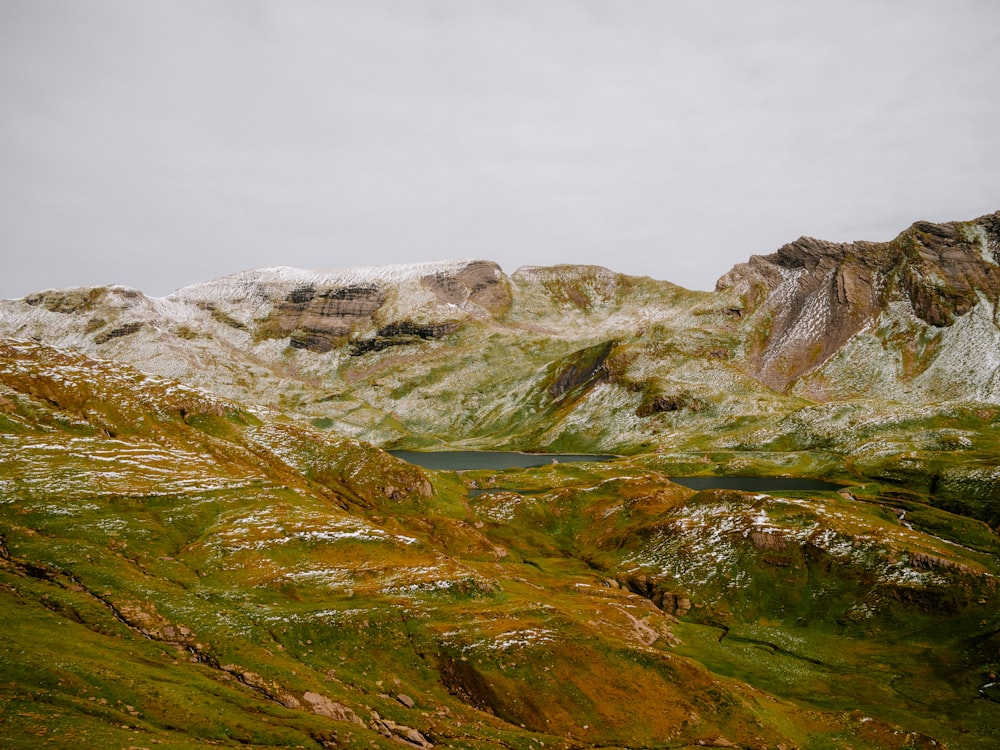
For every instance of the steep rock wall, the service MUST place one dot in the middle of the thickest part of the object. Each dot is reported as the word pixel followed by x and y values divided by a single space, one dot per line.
pixel 804 303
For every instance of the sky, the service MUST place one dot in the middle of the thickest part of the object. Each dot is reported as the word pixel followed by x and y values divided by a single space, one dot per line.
pixel 162 143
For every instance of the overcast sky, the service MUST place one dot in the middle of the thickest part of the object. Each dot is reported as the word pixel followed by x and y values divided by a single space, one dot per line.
pixel 161 143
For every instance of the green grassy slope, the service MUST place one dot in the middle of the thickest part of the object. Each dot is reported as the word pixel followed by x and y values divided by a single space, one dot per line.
pixel 181 571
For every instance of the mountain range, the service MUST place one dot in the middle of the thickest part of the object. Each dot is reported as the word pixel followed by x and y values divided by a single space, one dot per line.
pixel 195 494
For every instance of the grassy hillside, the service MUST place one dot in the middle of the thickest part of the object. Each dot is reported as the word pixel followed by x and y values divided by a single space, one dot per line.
pixel 178 570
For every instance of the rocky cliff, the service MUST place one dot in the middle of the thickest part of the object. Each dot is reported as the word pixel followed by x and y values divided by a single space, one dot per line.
pixel 804 303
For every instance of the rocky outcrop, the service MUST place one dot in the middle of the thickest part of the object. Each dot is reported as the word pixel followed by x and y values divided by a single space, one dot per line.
pixel 660 402
pixel 401 334
pixel 399 733
pixel 125 330
pixel 323 706
pixel 82 299
pixel 581 368
pixel 803 303
pixel 315 319
pixel 322 312
pixel 948 265
pixel 480 282
pixel 657 592
pixel 768 540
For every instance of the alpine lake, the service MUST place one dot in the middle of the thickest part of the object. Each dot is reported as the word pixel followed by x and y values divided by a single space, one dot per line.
pixel 502 460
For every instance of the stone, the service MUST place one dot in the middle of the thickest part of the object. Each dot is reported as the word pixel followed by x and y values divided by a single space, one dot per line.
pixel 765 540
pixel 288 700
pixel 323 706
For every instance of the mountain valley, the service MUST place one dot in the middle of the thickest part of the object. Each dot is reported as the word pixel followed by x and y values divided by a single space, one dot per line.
pixel 205 543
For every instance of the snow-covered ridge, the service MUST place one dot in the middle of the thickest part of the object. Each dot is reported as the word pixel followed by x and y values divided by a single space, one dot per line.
pixel 230 307
pixel 389 274
pixel 249 281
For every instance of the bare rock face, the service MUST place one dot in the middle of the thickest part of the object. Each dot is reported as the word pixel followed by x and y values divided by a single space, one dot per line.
pixel 321 314
pixel 402 333
pixel 480 282
pixel 801 304
pixel 316 319
pixel 320 704
pixel 805 302
pixel 944 272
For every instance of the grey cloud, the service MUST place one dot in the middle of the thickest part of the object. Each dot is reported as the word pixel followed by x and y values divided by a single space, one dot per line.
pixel 159 144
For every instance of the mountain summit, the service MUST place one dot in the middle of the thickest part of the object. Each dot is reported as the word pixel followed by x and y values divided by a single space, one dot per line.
pixel 811 298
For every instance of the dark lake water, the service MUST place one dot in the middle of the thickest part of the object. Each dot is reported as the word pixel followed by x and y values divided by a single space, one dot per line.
pixel 472 460
pixel 757 484
pixel 469 460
